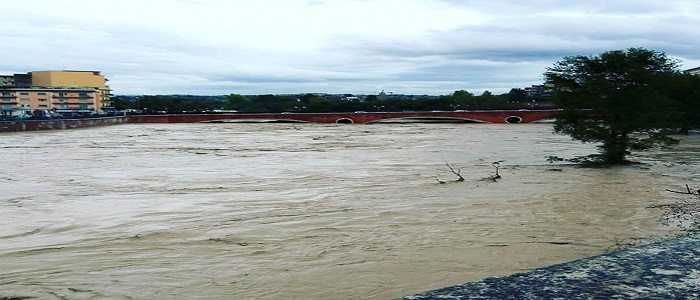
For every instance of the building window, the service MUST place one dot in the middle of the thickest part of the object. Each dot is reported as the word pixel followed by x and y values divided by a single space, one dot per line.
pixel 6 100
pixel 23 99
pixel 24 94
pixel 42 100
pixel 42 94
pixel 7 94
pixel 84 95
pixel 43 105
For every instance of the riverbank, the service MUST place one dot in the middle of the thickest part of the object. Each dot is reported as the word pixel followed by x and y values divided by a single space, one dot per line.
pixel 665 270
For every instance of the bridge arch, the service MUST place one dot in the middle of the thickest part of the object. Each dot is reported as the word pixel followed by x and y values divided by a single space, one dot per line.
pixel 513 120
pixel 344 121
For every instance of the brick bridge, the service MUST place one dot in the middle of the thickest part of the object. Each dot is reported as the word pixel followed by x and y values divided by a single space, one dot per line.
pixel 485 116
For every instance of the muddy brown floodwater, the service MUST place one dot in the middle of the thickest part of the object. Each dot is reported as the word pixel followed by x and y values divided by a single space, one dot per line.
pixel 308 211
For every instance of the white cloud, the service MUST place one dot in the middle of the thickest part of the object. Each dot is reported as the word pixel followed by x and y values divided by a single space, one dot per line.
pixel 356 46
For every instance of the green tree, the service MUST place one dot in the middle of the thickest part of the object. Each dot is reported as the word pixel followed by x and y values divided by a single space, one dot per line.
pixel 685 88
pixel 517 95
pixel 616 99
pixel 237 102
pixel 486 94
pixel 462 94
pixel 120 104
pixel 150 103
pixel 313 103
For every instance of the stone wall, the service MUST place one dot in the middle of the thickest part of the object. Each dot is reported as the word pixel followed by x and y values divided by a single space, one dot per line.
pixel 56 124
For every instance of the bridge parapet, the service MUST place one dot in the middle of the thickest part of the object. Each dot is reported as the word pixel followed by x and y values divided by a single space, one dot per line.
pixel 486 116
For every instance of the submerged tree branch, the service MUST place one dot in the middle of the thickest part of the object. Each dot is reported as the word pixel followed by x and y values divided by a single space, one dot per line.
pixel 687 192
pixel 684 213
pixel 459 176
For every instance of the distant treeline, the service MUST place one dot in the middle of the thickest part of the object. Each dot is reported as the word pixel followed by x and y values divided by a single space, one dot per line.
pixel 316 103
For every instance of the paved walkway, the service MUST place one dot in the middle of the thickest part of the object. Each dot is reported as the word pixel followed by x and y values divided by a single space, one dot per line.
pixel 665 270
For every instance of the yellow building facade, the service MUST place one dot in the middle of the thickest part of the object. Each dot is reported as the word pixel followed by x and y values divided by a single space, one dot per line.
pixel 69 79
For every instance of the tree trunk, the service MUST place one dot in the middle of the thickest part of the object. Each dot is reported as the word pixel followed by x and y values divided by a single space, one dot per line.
pixel 685 128
pixel 615 148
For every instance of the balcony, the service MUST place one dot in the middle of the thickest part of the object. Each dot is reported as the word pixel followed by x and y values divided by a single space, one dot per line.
pixel 73 107
pixel 74 96
pixel 73 103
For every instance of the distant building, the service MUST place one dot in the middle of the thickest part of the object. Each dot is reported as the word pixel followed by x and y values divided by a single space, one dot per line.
pixel 23 80
pixel 693 71
pixel 7 80
pixel 350 98
pixel 67 92
pixel 538 91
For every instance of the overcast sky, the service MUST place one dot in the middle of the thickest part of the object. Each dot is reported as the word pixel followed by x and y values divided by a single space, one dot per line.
pixel 215 47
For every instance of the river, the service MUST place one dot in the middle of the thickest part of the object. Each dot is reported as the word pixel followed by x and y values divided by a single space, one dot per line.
pixel 309 211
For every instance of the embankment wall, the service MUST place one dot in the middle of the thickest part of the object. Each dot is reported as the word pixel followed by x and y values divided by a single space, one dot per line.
pixel 55 124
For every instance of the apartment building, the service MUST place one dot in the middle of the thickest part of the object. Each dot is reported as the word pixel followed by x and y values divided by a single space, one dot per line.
pixel 542 90
pixel 67 92
pixel 23 101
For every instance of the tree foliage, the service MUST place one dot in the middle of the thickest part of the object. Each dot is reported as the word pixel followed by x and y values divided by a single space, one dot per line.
pixel 322 103
pixel 517 95
pixel 237 102
pixel 173 104
pixel 618 99
pixel 685 89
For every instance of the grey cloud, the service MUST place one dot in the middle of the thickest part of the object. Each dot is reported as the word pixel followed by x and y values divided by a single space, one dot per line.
pixel 518 40
pixel 523 8
pixel 546 39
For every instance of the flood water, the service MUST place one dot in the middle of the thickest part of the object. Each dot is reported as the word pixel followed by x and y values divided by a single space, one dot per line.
pixel 309 211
